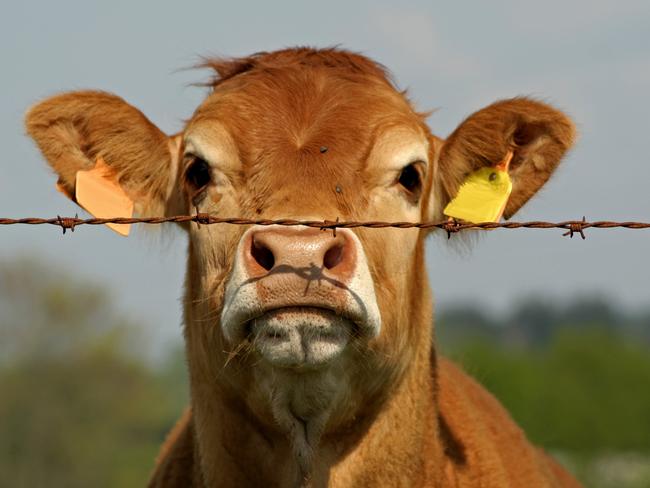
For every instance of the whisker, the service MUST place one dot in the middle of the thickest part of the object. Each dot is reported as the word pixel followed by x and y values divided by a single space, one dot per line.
pixel 232 354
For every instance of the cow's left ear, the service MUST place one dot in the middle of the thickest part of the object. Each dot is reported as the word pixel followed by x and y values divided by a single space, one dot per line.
pixel 537 134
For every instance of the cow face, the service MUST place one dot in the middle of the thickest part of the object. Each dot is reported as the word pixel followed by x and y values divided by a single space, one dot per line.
pixel 307 319
pixel 303 328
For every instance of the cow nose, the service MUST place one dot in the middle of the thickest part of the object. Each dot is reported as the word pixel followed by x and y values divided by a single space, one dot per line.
pixel 299 294
pixel 291 249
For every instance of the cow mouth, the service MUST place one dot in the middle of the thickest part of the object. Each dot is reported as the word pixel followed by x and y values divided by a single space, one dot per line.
pixel 300 337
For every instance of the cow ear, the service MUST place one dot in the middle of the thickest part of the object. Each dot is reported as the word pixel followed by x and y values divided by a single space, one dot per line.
pixel 75 130
pixel 537 134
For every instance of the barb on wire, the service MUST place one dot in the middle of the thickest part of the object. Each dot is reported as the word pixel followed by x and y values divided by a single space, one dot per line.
pixel 201 218
pixel 449 226
pixel 576 227
pixel 67 222
pixel 328 224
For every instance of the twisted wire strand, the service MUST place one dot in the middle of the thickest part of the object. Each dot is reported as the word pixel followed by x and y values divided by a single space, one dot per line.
pixel 450 226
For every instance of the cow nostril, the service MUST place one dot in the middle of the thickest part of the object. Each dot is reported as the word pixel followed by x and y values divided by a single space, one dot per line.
pixel 333 256
pixel 262 255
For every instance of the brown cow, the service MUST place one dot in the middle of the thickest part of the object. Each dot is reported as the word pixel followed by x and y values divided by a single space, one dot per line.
pixel 311 356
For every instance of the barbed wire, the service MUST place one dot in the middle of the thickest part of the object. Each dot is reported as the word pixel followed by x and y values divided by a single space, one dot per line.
pixel 450 226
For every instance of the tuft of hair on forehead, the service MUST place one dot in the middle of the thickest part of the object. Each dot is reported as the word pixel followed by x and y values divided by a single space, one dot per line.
pixel 334 58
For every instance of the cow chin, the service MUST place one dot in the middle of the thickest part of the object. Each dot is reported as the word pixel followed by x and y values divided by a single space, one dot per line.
pixel 300 338
pixel 301 365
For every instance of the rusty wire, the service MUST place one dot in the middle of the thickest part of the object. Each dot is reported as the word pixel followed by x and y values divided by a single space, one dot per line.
pixel 450 226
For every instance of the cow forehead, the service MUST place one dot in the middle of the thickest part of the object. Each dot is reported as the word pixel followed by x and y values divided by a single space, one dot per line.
pixel 306 129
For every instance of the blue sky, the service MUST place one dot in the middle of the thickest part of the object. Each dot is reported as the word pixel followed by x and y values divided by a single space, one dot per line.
pixel 590 58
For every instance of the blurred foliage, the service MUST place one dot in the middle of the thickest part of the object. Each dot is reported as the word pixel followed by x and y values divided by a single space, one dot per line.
pixel 81 403
pixel 576 378
pixel 586 390
pixel 78 405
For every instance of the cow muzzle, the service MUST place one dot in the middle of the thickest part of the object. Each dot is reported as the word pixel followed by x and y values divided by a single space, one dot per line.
pixel 299 295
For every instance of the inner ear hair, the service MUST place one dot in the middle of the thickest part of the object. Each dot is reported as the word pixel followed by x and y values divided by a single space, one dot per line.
pixel 527 138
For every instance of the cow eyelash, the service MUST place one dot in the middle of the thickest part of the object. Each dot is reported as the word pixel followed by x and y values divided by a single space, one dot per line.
pixel 197 174
pixel 411 180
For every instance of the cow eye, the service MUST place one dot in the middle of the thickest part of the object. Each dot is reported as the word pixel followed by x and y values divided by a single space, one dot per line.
pixel 198 174
pixel 410 180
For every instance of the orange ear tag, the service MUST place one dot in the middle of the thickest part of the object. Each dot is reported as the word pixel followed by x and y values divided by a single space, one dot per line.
pixel 483 195
pixel 98 192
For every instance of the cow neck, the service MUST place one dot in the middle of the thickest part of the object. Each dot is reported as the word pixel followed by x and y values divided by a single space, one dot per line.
pixel 400 447
pixel 397 442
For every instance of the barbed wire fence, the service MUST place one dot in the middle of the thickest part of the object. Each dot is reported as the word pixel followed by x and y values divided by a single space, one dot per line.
pixel 450 226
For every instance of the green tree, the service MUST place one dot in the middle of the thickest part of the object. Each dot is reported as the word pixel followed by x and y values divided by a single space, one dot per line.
pixel 78 405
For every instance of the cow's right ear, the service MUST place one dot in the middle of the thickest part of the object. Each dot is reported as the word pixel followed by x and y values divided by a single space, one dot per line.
pixel 75 130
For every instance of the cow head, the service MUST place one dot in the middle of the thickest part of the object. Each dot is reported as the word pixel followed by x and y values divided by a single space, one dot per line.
pixel 302 329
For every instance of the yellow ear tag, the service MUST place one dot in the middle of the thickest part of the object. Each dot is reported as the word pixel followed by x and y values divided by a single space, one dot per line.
pixel 98 192
pixel 483 195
